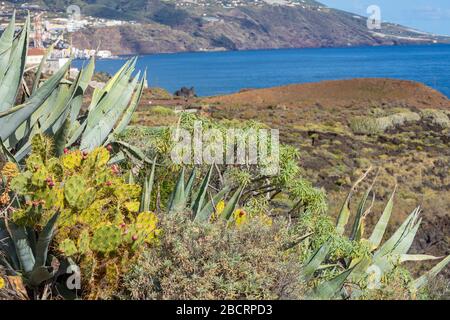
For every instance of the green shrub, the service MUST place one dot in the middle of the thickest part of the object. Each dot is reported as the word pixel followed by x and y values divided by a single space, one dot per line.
pixel 364 125
pixel 372 126
pixel 162 111
pixel 160 93
pixel 437 117
pixel 398 119
pixel 215 262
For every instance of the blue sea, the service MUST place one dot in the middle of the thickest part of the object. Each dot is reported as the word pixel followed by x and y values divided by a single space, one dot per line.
pixel 214 73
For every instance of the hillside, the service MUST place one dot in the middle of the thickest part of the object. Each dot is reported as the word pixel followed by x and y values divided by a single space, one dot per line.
pixel 321 119
pixel 173 26
pixel 332 124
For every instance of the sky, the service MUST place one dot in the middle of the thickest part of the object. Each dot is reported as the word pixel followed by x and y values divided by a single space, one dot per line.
pixel 426 15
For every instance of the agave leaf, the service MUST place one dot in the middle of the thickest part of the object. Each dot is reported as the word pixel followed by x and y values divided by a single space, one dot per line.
pixel 425 278
pixel 5 152
pixel 7 36
pixel 398 235
pixel 6 41
pixel 102 119
pixel 231 205
pixel 205 214
pixel 45 237
pixel 8 267
pixel 23 249
pixel 12 119
pixel 357 225
pixel 7 247
pixel 61 137
pixel 403 246
pixel 48 52
pixel 121 78
pixel 84 79
pixel 416 257
pixel 60 113
pixel 31 239
pixel 316 260
pixel 117 158
pixel 76 134
pixel 52 123
pixel 330 289
pixel 126 118
pixel 344 214
pixel 197 204
pixel 134 151
pixel 190 184
pixel 99 94
pixel 40 275
pixel 360 267
pixel 129 178
pixel 147 190
pixel 380 228
pixel 177 200
pixel 11 82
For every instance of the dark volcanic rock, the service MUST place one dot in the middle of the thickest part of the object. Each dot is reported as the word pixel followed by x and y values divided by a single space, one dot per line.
pixel 185 92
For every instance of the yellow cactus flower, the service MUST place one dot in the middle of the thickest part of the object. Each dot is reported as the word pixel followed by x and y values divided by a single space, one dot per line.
pixel 2 283
pixel 219 209
pixel 10 170
pixel 240 217
pixel 220 206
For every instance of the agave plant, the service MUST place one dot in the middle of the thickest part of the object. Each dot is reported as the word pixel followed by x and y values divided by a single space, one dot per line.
pixel 383 257
pixel 22 253
pixel 53 107
pixel 199 201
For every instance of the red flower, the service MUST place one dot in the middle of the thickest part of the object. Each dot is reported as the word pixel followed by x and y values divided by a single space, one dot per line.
pixel 115 169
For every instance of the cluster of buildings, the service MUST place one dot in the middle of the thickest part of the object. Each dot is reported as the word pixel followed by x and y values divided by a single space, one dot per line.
pixel 228 4
pixel 50 28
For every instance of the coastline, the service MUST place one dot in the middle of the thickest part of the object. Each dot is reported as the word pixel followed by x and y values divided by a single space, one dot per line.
pixel 218 73
pixel 142 54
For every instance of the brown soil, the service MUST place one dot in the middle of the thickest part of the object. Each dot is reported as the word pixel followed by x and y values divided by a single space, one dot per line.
pixel 364 92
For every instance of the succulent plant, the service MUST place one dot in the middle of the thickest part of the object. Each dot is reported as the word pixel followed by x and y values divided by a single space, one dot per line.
pixel 21 253
pixel 199 201
pixel 53 106
pixel 382 258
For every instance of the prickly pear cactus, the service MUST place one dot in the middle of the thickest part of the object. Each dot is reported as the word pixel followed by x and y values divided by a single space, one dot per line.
pixel 99 224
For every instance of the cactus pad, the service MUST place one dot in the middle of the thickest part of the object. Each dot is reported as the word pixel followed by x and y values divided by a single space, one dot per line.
pixel 74 190
pixel 72 161
pixel 68 247
pixel 106 239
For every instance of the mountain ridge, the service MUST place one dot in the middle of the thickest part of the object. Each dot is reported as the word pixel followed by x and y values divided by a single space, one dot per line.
pixel 209 25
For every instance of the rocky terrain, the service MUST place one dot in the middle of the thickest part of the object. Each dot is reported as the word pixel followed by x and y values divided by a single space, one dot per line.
pixel 174 26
